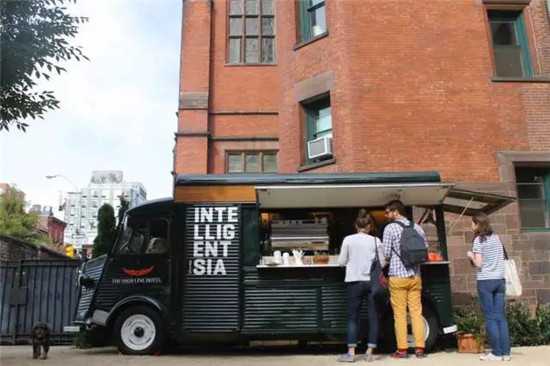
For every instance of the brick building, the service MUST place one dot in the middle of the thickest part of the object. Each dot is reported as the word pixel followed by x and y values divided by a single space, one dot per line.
pixel 457 86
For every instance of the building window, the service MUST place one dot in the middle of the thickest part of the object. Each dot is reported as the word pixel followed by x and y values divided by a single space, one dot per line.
pixel 533 186
pixel 251 162
pixel 510 45
pixel 318 129
pixel 311 19
pixel 251 32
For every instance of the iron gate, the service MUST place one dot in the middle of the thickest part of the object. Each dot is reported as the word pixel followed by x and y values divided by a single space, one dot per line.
pixel 34 291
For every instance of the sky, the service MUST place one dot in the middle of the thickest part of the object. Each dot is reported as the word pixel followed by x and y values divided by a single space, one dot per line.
pixel 118 110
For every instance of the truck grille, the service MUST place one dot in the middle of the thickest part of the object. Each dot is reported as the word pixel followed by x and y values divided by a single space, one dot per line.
pixel 92 269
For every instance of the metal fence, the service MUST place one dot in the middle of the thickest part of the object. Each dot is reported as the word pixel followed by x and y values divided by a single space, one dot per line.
pixel 34 291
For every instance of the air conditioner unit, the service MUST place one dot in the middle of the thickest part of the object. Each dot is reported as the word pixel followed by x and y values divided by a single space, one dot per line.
pixel 319 148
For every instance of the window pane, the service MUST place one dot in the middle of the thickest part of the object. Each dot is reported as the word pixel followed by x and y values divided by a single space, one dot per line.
pixel 235 163
pixel 530 191
pixel 504 33
pixel 508 61
pixel 532 213
pixel 251 50
pixel 252 163
pixel 270 163
pixel 234 50
pixel 267 26
pixel 251 7
pixel 236 7
pixel 251 26
pixel 267 7
pixel 268 50
pixel 324 120
pixel 318 22
pixel 235 26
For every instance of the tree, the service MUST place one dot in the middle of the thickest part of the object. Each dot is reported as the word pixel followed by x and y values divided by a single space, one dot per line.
pixel 14 221
pixel 106 230
pixel 33 44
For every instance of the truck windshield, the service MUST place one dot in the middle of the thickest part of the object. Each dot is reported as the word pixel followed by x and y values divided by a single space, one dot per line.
pixel 142 235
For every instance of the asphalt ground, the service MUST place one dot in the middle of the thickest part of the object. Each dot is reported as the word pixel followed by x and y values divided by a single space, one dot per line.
pixel 289 356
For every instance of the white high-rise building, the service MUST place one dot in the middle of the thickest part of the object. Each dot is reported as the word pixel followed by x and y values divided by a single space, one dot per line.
pixel 81 207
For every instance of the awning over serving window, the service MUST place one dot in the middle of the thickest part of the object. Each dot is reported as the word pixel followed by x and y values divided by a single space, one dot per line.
pixel 468 203
pixel 350 195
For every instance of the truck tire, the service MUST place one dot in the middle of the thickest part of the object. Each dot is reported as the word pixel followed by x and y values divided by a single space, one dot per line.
pixel 387 331
pixel 139 331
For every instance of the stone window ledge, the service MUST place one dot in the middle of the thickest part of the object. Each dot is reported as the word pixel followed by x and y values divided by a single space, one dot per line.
pixel 316 165
pixel 305 43
pixel 536 79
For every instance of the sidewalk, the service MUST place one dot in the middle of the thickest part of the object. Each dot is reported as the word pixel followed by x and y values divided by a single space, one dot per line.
pixel 66 356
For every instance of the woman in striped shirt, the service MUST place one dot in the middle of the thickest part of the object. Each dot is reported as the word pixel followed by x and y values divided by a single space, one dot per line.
pixel 487 255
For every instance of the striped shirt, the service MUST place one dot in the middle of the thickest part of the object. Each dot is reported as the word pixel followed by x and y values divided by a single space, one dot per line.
pixel 392 239
pixel 492 257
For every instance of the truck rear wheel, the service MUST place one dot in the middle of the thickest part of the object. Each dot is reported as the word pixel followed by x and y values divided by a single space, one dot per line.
pixel 431 327
pixel 138 331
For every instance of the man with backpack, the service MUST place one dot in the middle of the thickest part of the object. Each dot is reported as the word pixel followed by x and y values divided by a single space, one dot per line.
pixel 405 248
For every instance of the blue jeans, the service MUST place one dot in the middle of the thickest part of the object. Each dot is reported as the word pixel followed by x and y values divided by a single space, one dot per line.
pixel 356 293
pixel 493 301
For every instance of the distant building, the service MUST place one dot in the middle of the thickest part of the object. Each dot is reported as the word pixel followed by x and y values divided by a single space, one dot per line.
pixel 4 187
pixel 49 224
pixel 81 207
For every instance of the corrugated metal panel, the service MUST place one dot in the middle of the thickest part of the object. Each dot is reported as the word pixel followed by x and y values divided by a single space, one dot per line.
pixel 283 309
pixel 211 302
pixel 334 307
pixel 93 269
pixel 38 291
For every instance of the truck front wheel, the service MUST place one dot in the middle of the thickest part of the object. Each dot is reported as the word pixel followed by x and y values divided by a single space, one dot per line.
pixel 138 331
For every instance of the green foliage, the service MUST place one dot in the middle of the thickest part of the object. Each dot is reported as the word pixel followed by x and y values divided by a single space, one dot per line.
pixel 469 319
pixel 526 329
pixel 543 321
pixel 106 230
pixel 14 221
pixel 33 44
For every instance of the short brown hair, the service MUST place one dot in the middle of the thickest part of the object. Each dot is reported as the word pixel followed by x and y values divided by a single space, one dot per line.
pixel 484 228
pixel 364 220
pixel 398 206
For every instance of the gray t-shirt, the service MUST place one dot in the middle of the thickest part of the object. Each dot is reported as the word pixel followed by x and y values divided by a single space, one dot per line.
pixel 492 257
pixel 358 254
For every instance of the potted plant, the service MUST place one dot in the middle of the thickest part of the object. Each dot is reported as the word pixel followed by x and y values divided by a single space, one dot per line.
pixel 471 330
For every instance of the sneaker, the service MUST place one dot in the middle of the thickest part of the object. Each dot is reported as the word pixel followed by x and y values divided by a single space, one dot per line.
pixel 346 357
pixel 399 354
pixel 368 355
pixel 506 358
pixel 490 357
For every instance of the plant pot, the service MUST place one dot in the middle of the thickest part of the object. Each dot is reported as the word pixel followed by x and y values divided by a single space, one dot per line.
pixel 468 343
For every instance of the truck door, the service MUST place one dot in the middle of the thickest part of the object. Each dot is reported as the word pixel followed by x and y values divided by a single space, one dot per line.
pixel 140 264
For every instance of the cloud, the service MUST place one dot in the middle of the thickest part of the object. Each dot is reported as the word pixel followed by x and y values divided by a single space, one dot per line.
pixel 117 110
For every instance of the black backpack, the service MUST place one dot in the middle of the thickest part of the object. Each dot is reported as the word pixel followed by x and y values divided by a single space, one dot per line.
pixel 412 246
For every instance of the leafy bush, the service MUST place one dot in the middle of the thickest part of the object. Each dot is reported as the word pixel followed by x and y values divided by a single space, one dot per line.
pixel 470 320
pixel 525 329
pixel 543 320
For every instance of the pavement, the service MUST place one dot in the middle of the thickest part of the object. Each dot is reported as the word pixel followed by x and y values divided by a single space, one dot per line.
pixel 68 355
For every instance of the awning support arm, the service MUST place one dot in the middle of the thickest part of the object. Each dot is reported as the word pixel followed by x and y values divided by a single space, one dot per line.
pixel 460 217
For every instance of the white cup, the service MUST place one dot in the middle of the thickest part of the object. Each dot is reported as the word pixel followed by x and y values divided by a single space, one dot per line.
pixel 277 257
pixel 286 259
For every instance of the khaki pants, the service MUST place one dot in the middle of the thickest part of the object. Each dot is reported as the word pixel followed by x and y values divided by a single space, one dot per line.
pixel 407 292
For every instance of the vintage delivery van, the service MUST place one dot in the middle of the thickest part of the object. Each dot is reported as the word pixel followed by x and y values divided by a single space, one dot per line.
pixel 238 258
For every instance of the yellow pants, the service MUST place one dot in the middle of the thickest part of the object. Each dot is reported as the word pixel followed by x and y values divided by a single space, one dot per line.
pixel 407 292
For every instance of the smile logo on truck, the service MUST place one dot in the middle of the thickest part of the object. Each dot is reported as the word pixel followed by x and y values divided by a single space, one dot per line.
pixel 138 272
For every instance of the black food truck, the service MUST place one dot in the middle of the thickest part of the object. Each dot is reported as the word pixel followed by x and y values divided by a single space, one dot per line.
pixel 241 258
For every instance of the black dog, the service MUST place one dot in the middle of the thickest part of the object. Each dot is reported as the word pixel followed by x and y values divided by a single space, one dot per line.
pixel 40 338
